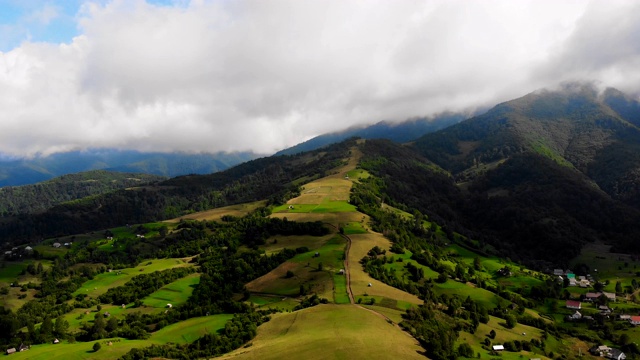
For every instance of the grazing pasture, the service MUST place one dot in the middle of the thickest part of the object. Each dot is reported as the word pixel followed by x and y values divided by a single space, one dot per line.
pixel 103 282
pixel 175 293
pixel 329 332
pixel 238 210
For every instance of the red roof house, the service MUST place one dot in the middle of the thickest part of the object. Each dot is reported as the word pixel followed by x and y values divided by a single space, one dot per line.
pixel 572 304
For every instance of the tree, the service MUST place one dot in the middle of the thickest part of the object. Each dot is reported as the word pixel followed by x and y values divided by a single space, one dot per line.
pixel 61 327
pixel 96 346
pixel 465 350
pixel 618 287
pixel 492 334
pixel 46 329
pixel 511 321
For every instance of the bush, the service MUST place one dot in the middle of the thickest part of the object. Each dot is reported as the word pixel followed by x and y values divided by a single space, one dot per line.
pixel 465 350
pixel 96 346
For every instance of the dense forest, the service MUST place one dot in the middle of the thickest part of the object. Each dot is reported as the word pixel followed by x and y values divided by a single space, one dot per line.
pixel 39 197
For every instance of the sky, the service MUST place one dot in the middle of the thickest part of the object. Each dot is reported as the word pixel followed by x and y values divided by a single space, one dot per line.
pixel 263 75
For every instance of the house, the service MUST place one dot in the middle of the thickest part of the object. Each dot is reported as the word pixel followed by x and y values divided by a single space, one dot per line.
pixel 107 314
pixel 604 310
pixel 572 304
pixel 584 283
pixel 592 296
pixel 28 248
pixel 7 253
pixel 498 347
pixel 11 351
pixel 169 306
pixel 575 316
pixel 634 320
pixel 616 354
pixel 56 245
pixel 610 296
pixel 558 272
pixel 624 317
pixel 56 341
pixel 341 272
pixel 66 244
pixel 572 282
pixel 599 350
pixel 23 347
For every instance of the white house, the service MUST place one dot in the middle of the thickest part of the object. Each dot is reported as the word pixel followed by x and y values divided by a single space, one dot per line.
pixel 498 347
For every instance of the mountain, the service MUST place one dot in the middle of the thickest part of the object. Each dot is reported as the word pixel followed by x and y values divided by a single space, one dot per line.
pixel 543 174
pixel 399 132
pixel 39 197
pixel 14 172
pixel 274 178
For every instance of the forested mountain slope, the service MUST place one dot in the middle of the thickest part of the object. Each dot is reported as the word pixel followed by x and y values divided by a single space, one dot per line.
pixel 41 196
pixel 273 178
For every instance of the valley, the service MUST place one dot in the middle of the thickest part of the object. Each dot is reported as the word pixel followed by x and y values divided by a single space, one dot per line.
pixel 339 267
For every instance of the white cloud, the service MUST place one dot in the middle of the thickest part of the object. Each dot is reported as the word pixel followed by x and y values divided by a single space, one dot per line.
pixel 262 75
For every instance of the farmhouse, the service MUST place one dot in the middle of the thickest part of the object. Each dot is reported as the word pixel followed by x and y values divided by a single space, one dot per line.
pixel 498 347
pixel 594 296
pixel 607 352
pixel 634 320
pixel 572 304
pixel 11 351
pixel 28 248
pixel 575 316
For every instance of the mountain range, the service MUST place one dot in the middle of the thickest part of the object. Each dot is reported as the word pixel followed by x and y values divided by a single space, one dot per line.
pixel 535 178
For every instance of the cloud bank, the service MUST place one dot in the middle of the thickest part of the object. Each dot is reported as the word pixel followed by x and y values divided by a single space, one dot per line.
pixel 253 75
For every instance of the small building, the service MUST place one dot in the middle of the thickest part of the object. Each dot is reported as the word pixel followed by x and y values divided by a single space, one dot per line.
pixel 169 306
pixel 634 320
pixel 107 314
pixel 572 282
pixel 575 305
pixel 616 354
pixel 23 347
pixel 7 253
pixel 584 283
pixel 624 317
pixel 610 296
pixel 369 285
pixel 575 316
pixel 558 272
pixel 590 296
pixel 497 347
pixel 28 248
pixel 11 351
pixel 56 341
pixel 341 272
pixel 56 245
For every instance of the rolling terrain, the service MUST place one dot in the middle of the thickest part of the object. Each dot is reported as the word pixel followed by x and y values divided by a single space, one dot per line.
pixel 363 249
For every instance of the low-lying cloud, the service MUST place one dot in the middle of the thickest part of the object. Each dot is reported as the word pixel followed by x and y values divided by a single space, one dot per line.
pixel 208 76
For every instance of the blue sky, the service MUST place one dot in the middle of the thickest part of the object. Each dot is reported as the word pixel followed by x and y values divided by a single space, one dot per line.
pixel 42 21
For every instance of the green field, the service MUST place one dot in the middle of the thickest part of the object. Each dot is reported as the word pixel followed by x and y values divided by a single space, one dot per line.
pixel 329 332
pixel 102 282
pixel 340 295
pixel 326 206
pixel 175 293
pixel 180 333
pixel 351 228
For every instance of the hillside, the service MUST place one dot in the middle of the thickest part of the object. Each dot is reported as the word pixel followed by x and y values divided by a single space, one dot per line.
pixel 372 255
pixel 401 132
pixel 15 172
pixel 273 178
pixel 39 197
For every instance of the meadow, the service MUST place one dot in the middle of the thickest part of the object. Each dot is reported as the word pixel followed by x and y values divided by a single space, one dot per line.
pixel 102 282
pixel 329 331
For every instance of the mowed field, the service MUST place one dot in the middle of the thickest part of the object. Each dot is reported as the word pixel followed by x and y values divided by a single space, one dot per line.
pixel 175 293
pixel 217 214
pixel 103 282
pixel 360 246
pixel 180 333
pixel 329 332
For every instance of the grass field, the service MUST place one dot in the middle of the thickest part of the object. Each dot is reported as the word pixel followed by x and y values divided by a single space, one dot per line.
pixel 329 332
pixel 217 214
pixel 352 228
pixel 103 282
pixel 180 333
pixel 323 207
pixel 175 293
pixel 278 243
pixel 360 280
pixel 305 272
pixel 340 295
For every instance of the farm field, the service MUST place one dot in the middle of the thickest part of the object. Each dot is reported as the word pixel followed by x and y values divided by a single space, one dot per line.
pixel 184 332
pixel 102 282
pixel 175 293
pixel 310 333
pixel 360 280
pixel 217 214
